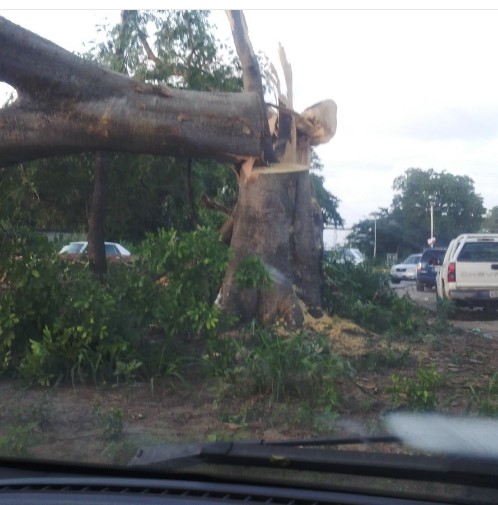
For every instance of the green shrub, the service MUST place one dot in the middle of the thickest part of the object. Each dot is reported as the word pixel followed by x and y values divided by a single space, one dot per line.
pixel 362 293
pixel 193 266
pixel 111 422
pixel 30 291
pixel 295 367
pixel 485 399
pixel 58 322
pixel 252 273
pixel 18 439
pixel 417 393
pixel 446 309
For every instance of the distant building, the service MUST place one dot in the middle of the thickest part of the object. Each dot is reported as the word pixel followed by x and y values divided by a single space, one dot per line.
pixel 333 237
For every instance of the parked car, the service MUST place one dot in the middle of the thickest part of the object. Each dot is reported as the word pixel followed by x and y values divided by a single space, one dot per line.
pixel 405 271
pixel 113 251
pixel 469 273
pixel 428 266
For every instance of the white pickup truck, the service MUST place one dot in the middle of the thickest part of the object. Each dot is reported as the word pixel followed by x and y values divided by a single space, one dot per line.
pixel 469 273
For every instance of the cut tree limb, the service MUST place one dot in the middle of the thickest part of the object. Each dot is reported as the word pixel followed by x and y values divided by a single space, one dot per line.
pixel 252 73
pixel 68 105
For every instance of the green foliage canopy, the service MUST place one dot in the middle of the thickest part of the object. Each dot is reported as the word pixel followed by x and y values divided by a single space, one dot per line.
pixel 490 222
pixel 328 202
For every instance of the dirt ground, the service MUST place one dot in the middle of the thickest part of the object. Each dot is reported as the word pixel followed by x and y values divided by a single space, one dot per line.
pixel 108 424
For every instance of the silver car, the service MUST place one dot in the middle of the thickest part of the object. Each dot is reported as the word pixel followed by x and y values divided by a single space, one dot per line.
pixel 405 271
pixel 113 251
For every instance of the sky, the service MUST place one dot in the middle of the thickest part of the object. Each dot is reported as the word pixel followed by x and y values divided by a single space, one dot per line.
pixel 414 87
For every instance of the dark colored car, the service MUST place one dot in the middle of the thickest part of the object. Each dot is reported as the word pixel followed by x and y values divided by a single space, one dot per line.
pixel 427 267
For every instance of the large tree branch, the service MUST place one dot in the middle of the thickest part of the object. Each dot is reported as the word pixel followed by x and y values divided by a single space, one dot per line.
pixel 211 204
pixel 286 67
pixel 251 72
pixel 67 105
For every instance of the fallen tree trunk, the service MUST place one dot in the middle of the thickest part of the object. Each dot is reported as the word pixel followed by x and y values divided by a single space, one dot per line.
pixel 68 105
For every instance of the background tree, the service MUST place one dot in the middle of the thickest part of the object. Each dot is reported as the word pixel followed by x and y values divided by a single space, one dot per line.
pixel 490 222
pixel 406 226
pixel 48 194
pixel 388 227
pixel 457 208
pixel 328 202
pixel 96 219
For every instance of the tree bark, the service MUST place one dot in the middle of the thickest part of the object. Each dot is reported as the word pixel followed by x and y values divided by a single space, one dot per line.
pixel 96 220
pixel 275 221
pixel 189 195
pixel 69 105
pixel 252 73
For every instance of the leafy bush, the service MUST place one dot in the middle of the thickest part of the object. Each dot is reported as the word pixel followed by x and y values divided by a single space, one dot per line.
pixel 419 392
pixel 18 439
pixel 251 273
pixel 191 267
pixel 362 293
pixel 30 291
pixel 57 321
pixel 485 399
pixel 111 422
pixel 446 309
pixel 299 366
pixel 93 326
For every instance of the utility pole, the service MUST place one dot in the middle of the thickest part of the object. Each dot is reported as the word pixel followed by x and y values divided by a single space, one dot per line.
pixel 432 223
pixel 375 236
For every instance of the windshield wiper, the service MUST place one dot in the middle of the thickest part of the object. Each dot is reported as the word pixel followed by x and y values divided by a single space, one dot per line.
pixel 280 455
pixel 335 441
pixel 185 454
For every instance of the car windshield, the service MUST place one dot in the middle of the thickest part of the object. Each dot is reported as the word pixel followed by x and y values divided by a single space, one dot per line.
pixel 244 186
pixel 412 259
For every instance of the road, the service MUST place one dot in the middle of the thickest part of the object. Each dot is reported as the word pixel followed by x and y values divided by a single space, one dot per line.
pixel 471 320
pixel 426 298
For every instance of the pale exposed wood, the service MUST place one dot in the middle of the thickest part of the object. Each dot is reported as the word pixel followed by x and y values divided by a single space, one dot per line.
pixel 323 117
pixel 307 123
pixel 275 80
pixel 246 169
pixel 286 67
pixel 281 168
